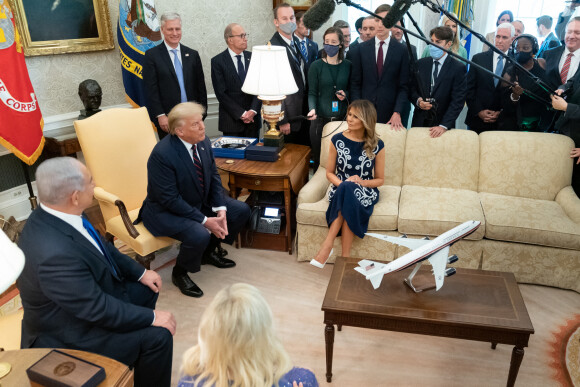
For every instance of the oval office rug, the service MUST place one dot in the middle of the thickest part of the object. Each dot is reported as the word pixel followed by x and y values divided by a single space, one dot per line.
pixel 565 353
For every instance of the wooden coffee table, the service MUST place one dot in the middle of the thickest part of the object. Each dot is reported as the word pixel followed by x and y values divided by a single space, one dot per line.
pixel 287 175
pixel 473 305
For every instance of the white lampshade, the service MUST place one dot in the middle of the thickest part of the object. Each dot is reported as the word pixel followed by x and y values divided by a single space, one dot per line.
pixel 11 262
pixel 269 74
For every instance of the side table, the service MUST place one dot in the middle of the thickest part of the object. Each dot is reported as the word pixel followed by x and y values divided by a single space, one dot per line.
pixel 288 175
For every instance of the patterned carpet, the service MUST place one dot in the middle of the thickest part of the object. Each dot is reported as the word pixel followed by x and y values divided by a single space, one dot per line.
pixel 565 353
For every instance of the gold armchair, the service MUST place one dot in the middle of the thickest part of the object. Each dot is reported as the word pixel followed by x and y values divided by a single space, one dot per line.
pixel 116 145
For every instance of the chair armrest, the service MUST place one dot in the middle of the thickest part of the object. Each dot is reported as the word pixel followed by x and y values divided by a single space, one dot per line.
pixel 110 198
pixel 570 203
pixel 315 189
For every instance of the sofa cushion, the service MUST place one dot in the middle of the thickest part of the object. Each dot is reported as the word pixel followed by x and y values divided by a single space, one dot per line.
pixel 432 211
pixel 394 148
pixel 529 165
pixel 450 161
pixel 531 221
pixel 384 215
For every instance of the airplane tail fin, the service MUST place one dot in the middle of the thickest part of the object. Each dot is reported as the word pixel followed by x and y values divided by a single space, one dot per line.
pixel 376 280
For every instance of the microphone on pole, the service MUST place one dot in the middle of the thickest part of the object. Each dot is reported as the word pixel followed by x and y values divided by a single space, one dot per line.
pixel 398 10
pixel 318 14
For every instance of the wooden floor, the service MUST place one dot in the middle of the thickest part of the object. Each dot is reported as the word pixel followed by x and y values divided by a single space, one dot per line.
pixel 365 357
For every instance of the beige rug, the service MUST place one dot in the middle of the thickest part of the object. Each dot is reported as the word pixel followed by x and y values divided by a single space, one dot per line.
pixel 565 353
pixel 365 357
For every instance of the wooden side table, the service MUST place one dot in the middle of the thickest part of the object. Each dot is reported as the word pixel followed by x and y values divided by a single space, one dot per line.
pixel 288 175
pixel 118 374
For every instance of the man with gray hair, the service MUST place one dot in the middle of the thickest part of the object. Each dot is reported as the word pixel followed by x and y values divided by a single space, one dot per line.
pixel 80 292
pixel 172 73
pixel 483 92
pixel 238 111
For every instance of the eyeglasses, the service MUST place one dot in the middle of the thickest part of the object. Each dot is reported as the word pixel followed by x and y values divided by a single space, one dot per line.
pixel 241 36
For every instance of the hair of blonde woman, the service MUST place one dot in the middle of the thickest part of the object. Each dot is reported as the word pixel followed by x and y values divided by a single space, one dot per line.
pixel 366 112
pixel 456 39
pixel 181 112
pixel 237 345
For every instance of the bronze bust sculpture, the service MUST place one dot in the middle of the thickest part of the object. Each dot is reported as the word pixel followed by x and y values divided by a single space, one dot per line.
pixel 91 94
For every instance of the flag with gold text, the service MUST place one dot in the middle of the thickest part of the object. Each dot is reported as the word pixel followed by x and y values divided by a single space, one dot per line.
pixel 137 31
pixel 20 117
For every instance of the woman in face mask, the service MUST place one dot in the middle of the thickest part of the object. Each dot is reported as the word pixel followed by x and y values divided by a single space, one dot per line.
pixel 525 112
pixel 328 80
pixel 456 47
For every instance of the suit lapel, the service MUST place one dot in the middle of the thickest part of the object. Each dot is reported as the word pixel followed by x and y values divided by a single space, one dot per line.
pixel 166 57
pixel 205 162
pixel 78 238
pixel 229 63
pixel 387 57
pixel 187 160
pixel 442 72
pixel 367 51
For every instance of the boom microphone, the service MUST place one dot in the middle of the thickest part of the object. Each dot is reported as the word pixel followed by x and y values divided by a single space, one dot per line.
pixel 398 10
pixel 318 14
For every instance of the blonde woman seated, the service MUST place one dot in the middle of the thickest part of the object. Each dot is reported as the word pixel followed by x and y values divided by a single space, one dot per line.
pixel 355 168
pixel 456 47
pixel 237 346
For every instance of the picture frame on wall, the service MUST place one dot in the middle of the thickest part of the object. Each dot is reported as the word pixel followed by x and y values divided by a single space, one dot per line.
pixel 49 27
pixel 298 5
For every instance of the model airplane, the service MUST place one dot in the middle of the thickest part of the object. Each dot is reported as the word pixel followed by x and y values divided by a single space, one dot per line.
pixel 436 251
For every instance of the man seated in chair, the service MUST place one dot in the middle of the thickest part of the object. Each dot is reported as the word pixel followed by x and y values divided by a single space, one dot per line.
pixel 80 292
pixel 185 198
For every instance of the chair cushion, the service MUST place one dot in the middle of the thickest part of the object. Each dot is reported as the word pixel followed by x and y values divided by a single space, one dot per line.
pixel 532 221
pixel 449 161
pixel 145 243
pixel 384 215
pixel 432 211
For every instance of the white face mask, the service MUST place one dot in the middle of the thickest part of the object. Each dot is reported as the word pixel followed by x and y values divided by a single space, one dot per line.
pixel 288 28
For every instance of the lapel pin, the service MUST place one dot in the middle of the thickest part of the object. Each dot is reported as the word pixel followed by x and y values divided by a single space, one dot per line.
pixel 186 54
pixel 202 148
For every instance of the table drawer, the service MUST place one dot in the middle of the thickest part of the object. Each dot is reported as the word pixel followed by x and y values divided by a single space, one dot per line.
pixel 258 183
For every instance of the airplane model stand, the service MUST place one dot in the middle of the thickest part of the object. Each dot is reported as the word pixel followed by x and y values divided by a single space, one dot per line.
pixel 424 283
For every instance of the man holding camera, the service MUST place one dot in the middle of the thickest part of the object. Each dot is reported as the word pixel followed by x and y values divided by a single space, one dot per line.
pixel 442 79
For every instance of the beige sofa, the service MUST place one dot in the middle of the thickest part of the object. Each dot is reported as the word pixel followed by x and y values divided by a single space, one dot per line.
pixel 516 184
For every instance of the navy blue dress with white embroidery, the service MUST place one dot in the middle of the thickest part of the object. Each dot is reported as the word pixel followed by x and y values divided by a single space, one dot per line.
pixel 354 201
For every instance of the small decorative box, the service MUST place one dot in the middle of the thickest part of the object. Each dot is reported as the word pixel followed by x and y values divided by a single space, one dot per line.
pixel 232 147
pixel 58 369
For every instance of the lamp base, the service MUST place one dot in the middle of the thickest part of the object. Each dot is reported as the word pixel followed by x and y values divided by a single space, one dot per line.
pixel 275 140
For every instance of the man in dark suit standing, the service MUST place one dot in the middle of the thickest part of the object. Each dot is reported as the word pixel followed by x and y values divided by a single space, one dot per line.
pixel 545 31
pixel 562 62
pixel 380 73
pixel 397 34
pixel 308 48
pixel 238 111
pixel 185 198
pixel 443 79
pixel 564 18
pixel 80 292
pixel 483 92
pixel 172 73
pixel 293 105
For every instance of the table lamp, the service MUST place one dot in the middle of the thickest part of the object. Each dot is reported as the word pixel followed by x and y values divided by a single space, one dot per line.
pixel 11 265
pixel 270 77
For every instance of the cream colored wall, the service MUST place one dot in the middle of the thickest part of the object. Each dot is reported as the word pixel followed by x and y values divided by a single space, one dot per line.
pixel 56 77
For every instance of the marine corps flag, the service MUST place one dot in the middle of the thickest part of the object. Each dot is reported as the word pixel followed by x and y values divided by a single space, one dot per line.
pixel 137 31
pixel 20 118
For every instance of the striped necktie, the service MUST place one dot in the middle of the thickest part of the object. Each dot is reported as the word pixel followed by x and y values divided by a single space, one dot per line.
pixel 303 49
pixel 197 165
pixel 566 68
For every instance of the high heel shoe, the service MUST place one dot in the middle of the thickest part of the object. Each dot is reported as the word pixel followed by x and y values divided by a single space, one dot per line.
pixel 319 265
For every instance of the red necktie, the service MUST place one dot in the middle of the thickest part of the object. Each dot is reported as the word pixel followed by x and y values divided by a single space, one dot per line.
pixel 380 58
pixel 565 68
pixel 197 164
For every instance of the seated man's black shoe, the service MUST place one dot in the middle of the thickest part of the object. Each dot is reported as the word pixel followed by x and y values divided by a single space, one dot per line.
pixel 221 251
pixel 186 285
pixel 212 258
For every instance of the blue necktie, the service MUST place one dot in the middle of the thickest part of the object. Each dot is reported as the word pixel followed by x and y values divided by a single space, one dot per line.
pixel 241 70
pixel 93 233
pixel 303 50
pixel 179 73
pixel 498 70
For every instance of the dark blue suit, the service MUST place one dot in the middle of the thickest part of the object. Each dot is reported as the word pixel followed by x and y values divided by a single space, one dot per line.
pixel 176 204
pixel 72 299
pixel 449 92
pixel 553 58
pixel 227 86
pixel 549 43
pixel 389 92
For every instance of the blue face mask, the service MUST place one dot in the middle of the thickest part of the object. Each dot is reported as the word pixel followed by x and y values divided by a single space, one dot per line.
pixel 435 52
pixel 331 50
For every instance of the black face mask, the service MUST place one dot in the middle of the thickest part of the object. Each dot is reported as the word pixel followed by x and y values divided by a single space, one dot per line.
pixel 523 56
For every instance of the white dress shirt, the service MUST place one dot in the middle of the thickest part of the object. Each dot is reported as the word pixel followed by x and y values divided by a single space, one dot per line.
pixel 385 47
pixel 169 49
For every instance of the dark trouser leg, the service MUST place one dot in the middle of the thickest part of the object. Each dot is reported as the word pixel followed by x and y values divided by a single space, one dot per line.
pixel 153 366
pixel 237 215
pixel 141 295
pixel 194 240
